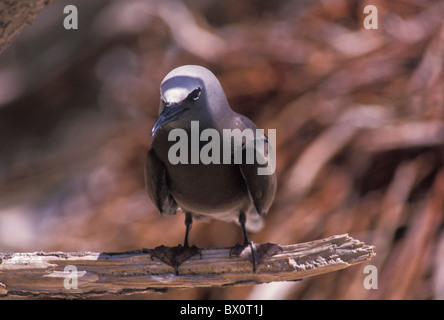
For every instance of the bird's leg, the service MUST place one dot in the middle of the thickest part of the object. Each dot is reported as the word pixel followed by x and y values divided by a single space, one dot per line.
pixel 239 249
pixel 188 224
pixel 257 252
pixel 174 256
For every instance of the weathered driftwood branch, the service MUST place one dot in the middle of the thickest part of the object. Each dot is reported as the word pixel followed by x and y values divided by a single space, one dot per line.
pixel 15 15
pixel 47 275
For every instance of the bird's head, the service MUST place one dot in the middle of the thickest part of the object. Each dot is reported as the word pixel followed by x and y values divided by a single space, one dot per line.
pixel 189 93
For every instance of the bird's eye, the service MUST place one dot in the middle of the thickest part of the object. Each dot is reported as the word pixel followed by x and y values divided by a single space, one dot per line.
pixel 194 95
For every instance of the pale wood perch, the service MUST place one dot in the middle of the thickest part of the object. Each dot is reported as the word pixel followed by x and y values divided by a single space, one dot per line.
pixel 16 15
pixel 41 274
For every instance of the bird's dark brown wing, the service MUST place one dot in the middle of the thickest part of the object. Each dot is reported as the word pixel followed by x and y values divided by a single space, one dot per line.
pixel 262 188
pixel 156 183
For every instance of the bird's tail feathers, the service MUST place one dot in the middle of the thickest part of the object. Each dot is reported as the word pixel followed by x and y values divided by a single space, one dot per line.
pixel 254 222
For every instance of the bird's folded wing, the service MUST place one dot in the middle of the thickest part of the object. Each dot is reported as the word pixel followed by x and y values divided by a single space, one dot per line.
pixel 156 183
pixel 262 188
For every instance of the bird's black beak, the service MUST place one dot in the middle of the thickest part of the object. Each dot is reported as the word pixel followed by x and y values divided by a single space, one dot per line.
pixel 171 112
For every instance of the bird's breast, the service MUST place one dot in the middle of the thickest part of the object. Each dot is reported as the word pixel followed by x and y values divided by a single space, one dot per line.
pixel 200 182
pixel 206 189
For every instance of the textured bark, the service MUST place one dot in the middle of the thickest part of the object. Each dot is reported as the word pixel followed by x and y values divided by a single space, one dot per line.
pixel 15 15
pixel 43 274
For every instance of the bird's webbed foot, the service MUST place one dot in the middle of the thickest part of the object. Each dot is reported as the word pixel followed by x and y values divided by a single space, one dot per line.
pixel 255 253
pixel 174 256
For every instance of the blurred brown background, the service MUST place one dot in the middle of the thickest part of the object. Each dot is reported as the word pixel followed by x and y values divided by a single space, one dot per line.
pixel 358 115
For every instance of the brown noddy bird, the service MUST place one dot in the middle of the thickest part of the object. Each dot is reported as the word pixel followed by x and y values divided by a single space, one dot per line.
pixel 214 189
